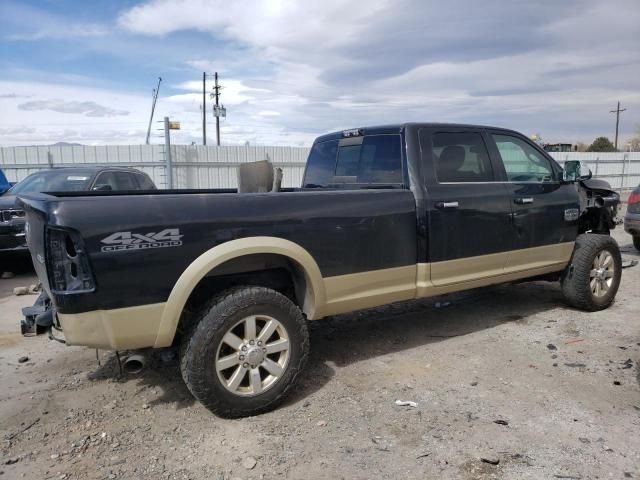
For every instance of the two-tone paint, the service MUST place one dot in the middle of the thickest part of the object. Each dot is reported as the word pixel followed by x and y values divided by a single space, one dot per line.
pixel 352 247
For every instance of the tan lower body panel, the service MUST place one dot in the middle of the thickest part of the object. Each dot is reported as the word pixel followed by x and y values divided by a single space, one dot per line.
pixel 527 262
pixel 356 291
pixel 117 329
pixel 141 326
pixel 346 293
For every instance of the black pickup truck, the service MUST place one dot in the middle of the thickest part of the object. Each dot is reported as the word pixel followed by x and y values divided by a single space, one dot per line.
pixel 384 214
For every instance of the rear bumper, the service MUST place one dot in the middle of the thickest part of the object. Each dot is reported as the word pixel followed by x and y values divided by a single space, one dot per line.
pixel 632 223
pixel 118 329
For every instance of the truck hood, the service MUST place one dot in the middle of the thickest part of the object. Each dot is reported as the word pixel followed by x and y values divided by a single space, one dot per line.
pixel 8 201
pixel 596 184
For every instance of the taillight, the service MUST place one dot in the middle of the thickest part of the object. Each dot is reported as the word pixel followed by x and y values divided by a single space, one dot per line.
pixel 69 269
pixel 633 204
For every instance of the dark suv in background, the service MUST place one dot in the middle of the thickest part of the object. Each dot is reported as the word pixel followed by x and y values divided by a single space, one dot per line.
pixel 632 218
pixel 12 218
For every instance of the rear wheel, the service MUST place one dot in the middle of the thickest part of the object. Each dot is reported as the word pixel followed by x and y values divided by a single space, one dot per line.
pixel 246 351
pixel 636 242
pixel 591 280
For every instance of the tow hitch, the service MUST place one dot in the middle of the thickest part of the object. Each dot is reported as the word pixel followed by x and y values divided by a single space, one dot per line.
pixel 38 318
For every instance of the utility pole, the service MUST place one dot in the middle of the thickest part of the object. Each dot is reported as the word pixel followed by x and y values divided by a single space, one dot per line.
pixel 217 94
pixel 617 112
pixel 216 108
pixel 156 91
pixel 204 108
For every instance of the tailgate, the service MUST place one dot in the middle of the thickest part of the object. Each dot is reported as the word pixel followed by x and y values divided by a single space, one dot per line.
pixel 35 228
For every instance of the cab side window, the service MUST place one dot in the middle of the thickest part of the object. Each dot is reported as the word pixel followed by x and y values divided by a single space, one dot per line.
pixel 111 181
pixel 461 157
pixel 522 162
pixel 106 181
pixel 126 181
pixel 145 182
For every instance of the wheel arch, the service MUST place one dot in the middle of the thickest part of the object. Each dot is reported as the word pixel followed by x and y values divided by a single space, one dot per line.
pixel 207 263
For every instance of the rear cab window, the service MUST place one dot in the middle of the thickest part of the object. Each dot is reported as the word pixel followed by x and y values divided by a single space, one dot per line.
pixel 356 161
pixel 461 157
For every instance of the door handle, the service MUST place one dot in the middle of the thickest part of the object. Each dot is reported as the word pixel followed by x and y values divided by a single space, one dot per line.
pixel 442 205
pixel 523 201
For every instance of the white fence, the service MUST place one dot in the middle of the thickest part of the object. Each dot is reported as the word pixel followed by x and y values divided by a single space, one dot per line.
pixel 193 166
pixel 620 169
pixel 215 167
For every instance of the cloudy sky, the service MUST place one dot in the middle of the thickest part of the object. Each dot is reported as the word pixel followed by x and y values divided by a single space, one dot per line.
pixel 83 71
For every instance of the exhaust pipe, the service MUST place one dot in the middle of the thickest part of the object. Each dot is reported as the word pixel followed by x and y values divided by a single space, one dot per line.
pixel 134 363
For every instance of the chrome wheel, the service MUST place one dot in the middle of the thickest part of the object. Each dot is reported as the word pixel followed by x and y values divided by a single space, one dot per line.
pixel 253 355
pixel 601 274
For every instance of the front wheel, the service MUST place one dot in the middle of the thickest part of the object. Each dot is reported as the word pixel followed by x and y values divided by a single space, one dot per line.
pixel 636 242
pixel 591 280
pixel 246 351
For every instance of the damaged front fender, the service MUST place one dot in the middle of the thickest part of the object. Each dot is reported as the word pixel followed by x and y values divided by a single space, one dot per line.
pixel 598 206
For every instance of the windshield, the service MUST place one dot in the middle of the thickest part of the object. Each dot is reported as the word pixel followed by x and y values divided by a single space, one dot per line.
pixel 52 181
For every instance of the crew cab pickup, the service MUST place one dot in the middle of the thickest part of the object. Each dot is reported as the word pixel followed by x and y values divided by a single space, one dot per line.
pixel 384 214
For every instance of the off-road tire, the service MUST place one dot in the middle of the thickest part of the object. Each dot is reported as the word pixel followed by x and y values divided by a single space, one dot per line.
pixel 199 349
pixel 636 242
pixel 576 277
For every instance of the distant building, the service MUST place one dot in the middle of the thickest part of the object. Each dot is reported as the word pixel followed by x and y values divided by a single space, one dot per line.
pixel 560 147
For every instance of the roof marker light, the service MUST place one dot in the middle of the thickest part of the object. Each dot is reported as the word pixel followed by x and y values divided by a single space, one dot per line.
pixel 354 132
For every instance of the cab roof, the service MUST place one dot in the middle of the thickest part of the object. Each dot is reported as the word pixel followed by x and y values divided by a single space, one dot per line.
pixel 399 127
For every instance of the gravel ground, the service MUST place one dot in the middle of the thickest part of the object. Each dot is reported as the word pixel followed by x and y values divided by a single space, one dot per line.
pixel 505 374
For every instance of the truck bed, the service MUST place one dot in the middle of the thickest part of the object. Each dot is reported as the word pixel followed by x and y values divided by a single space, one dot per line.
pixel 345 231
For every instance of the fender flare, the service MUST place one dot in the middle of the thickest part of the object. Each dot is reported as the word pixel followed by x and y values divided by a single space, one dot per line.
pixel 315 298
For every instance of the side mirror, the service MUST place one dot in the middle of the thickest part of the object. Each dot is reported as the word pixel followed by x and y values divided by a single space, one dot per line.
pixel 571 171
pixel 102 188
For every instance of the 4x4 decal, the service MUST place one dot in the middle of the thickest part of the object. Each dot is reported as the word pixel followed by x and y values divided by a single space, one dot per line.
pixel 169 237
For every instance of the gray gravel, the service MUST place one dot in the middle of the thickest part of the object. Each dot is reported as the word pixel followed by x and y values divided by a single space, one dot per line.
pixel 509 383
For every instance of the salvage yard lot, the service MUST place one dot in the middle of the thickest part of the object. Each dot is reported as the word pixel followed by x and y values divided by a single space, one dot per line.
pixel 564 385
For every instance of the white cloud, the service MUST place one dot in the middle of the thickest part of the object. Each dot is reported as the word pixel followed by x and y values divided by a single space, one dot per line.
pixel 60 32
pixel 87 108
pixel 79 114
pixel 341 63
pixel 233 91
pixel 292 70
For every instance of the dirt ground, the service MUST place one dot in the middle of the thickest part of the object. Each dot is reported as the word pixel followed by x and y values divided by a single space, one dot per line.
pixel 506 374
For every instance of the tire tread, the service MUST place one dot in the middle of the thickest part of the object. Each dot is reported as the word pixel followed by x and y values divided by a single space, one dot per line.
pixel 215 312
pixel 576 278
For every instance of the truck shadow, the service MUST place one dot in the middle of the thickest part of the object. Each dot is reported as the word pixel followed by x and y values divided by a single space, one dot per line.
pixel 339 341
pixel 159 375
